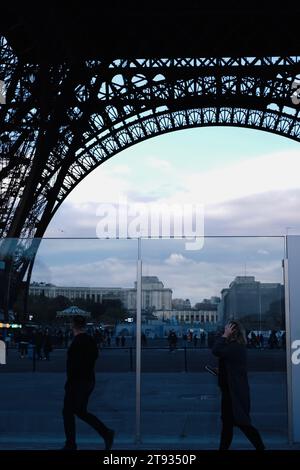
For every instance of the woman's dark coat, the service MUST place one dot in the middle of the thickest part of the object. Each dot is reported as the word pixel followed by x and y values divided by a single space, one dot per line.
pixel 233 377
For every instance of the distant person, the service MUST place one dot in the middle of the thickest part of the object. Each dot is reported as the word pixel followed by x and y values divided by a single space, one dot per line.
pixel 81 358
pixel 210 339
pixel 101 340
pixel 144 339
pixel 253 340
pixel 47 345
pixel 39 344
pixel 66 338
pixel 195 339
pixel 262 341
pixel 7 341
pixel 172 338
pixel 23 344
pixel 273 340
pixel 97 337
pixel 60 338
pixel 231 350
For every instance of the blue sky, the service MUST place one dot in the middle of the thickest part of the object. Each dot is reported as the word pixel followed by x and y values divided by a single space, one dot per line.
pixel 246 179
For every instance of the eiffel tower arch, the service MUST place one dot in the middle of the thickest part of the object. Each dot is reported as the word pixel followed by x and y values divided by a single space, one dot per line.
pixel 79 83
pixel 63 118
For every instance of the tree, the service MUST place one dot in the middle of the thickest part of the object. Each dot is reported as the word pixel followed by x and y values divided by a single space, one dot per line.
pixel 44 309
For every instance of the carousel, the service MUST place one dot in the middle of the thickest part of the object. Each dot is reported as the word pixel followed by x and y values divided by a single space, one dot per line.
pixel 70 312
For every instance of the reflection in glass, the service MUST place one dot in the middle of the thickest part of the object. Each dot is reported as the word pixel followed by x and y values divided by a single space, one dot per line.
pixel 187 297
pixel 46 283
pixel 196 293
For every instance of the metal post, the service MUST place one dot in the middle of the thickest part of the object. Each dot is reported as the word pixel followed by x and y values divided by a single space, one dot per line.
pixel 259 290
pixel 138 347
pixel 288 344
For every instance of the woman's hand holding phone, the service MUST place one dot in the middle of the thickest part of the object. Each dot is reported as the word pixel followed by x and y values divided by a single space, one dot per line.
pixel 229 329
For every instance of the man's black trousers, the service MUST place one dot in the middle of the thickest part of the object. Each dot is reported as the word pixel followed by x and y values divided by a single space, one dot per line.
pixel 77 395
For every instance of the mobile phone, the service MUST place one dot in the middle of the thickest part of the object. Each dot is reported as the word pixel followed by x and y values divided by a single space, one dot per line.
pixel 211 370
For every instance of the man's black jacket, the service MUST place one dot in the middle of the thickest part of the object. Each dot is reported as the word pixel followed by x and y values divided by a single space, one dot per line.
pixel 82 355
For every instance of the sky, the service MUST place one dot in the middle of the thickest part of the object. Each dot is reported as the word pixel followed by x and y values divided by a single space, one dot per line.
pixel 246 181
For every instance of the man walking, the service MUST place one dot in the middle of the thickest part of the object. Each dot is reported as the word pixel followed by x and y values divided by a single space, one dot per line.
pixel 81 358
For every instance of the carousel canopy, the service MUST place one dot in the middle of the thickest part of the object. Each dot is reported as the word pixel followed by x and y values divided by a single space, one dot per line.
pixel 72 312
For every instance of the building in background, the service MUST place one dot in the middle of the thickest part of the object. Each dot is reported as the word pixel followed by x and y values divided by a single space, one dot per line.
pixel 181 304
pixel 94 294
pixel 157 302
pixel 258 305
pixel 208 315
pixel 204 313
pixel 154 295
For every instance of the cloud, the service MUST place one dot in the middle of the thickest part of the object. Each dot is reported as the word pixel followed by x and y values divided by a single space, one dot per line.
pixel 263 252
pixel 158 164
pixel 262 214
pixel 194 275
pixel 105 184
pixel 252 196
pixel 259 175
pixel 202 279
pixel 109 272
pixel 121 170
pixel 176 259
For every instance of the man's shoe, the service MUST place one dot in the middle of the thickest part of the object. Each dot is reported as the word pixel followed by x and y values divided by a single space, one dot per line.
pixel 109 439
pixel 69 447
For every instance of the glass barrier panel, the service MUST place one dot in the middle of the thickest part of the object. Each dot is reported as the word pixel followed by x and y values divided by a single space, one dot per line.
pixel 188 295
pixel 45 284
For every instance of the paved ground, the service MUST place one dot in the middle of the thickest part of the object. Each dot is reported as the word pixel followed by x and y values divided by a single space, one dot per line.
pixel 153 360
pixel 179 410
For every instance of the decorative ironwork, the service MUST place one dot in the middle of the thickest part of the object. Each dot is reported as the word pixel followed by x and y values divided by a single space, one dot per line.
pixel 61 121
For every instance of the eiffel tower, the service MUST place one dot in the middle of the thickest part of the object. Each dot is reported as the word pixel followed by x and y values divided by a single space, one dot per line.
pixel 85 82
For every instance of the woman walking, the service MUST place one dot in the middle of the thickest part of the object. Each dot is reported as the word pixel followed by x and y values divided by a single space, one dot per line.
pixel 233 382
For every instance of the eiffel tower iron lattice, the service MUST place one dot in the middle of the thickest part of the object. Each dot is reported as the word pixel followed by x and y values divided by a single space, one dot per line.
pixel 61 121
